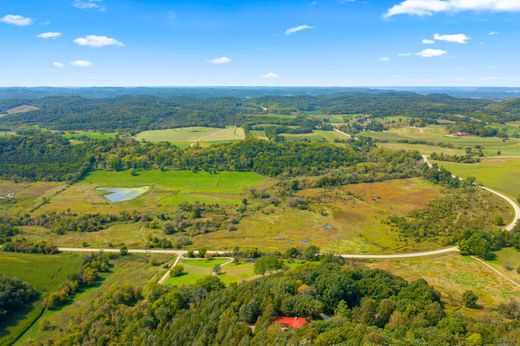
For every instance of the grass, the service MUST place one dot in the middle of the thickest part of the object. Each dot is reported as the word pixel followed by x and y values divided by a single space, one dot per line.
pixel 195 269
pixel 507 257
pixel 191 135
pixel 165 189
pixel 501 174
pixel 134 270
pixel 90 134
pixel 43 272
pixel 438 134
pixel 453 274
pixel 26 195
pixel 349 219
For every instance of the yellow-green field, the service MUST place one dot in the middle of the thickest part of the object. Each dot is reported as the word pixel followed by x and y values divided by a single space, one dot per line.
pixel 186 136
pixel 26 195
pixel 438 134
pixel 507 262
pixel 89 134
pixel 165 189
pixel 452 274
pixel 350 219
pixel 501 174
pixel 43 272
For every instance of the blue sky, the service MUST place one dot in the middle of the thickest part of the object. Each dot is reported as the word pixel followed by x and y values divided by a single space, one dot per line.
pixel 294 43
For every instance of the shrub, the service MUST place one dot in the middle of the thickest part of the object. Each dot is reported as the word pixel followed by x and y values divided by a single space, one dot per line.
pixel 178 270
pixel 469 299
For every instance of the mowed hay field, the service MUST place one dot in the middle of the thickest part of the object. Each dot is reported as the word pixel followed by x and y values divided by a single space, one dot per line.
pixel 166 188
pixel 43 272
pixel 501 174
pixel 26 195
pixel 133 270
pixel 438 134
pixel 186 136
pixel 452 274
pixel 349 219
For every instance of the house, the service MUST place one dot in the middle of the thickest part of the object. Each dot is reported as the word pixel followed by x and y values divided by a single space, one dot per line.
pixel 290 322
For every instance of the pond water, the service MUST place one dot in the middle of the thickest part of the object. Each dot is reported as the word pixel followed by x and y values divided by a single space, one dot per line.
pixel 121 194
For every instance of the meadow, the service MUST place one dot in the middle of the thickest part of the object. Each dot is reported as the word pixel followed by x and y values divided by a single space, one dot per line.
pixel 452 274
pixel 43 272
pixel 26 195
pixel 166 188
pixel 349 219
pixel 438 134
pixel 187 136
pixel 90 134
pixel 499 173
pixel 134 270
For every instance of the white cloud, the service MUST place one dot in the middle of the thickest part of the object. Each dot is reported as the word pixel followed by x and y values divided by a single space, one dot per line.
pixel 298 28
pixel 89 5
pixel 384 59
pixel 430 53
pixel 97 41
pixel 270 75
pixel 48 35
pixel 456 38
pixel 58 64
pixel 404 54
pixel 15 19
pixel 219 61
pixel 427 41
pixel 429 7
pixel 493 33
pixel 81 63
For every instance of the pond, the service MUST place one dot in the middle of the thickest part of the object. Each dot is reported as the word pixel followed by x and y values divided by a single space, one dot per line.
pixel 121 194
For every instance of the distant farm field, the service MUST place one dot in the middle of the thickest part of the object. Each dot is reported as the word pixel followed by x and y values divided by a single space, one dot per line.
pixel 43 272
pixel 349 219
pixel 90 134
pixel 165 189
pixel 192 135
pixel 25 196
pixel 438 134
pixel 502 174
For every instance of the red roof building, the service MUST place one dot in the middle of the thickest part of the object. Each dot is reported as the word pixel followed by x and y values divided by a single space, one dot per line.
pixel 290 322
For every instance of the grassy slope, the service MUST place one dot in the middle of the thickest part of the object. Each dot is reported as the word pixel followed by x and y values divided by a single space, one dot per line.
pixel 43 272
pixel 135 270
pixel 90 134
pixel 193 134
pixel 497 173
pixel 27 195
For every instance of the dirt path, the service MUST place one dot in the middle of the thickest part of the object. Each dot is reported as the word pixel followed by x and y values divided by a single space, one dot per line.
pixel 343 133
pixel 514 205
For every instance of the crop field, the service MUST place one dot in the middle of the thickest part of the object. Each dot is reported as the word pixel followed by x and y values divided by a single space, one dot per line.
pixel 350 219
pixel 452 274
pixel 187 136
pixel 90 134
pixel 422 148
pixel 165 189
pixel 26 195
pixel 43 272
pixel 502 174
pixel 438 134
pixel 134 270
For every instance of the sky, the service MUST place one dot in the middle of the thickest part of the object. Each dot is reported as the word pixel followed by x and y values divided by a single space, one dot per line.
pixel 260 43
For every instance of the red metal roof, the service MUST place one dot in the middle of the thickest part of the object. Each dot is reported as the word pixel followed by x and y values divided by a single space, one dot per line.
pixel 293 322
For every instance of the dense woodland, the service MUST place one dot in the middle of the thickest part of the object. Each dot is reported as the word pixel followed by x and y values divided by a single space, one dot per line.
pixel 343 305
pixel 143 112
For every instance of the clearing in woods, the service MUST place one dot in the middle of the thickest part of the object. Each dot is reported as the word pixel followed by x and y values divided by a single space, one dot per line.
pixel 186 136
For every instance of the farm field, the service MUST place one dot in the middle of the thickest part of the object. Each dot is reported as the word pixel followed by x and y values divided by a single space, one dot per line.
pixel 43 272
pixel 438 134
pixel 346 220
pixel 90 134
pixel 422 148
pixel 501 174
pixel 186 136
pixel 21 109
pixel 134 270
pixel 166 188
pixel 452 274
pixel 26 195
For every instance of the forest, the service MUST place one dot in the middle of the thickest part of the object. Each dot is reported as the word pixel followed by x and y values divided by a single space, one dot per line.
pixel 343 304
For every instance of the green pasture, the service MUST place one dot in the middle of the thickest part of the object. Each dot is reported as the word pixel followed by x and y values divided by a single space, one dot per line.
pixel 191 135
pixel 43 272
pixel 90 134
